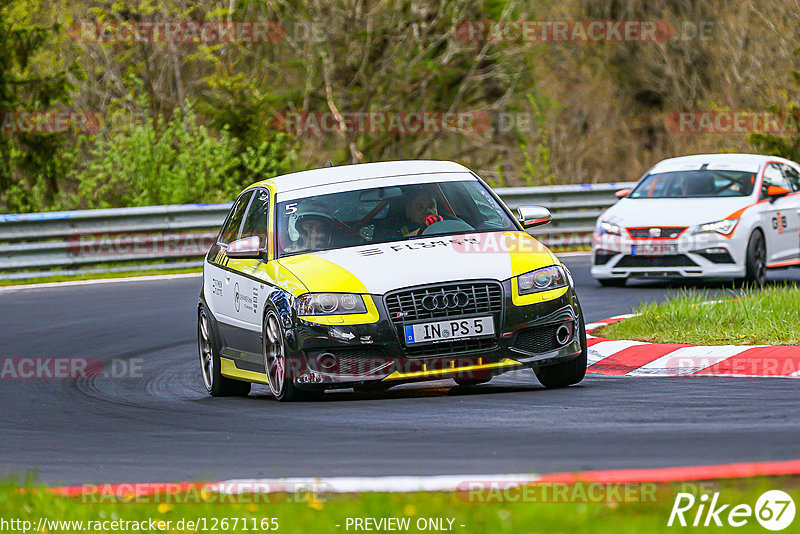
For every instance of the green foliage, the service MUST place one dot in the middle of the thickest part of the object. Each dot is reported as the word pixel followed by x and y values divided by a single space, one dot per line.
pixel 136 165
pixel 784 146
pixel 31 163
pixel 537 170
pixel 580 508
pixel 768 316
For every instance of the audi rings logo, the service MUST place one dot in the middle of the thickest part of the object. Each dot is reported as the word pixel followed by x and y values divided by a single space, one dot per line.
pixel 445 301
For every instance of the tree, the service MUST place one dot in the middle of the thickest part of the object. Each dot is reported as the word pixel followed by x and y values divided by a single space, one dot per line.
pixel 31 80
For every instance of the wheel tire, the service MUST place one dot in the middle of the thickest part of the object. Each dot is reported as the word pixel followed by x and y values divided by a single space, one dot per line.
pixel 567 373
pixel 210 367
pixel 281 383
pixel 613 282
pixel 756 263
pixel 471 381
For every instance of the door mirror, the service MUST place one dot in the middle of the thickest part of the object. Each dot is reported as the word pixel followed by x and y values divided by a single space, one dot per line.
pixel 776 191
pixel 245 248
pixel 622 193
pixel 531 216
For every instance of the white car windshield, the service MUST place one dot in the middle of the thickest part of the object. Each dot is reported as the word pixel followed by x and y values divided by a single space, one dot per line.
pixel 696 183
pixel 384 214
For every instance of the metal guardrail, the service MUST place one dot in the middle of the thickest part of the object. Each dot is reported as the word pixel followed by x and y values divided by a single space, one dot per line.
pixel 169 237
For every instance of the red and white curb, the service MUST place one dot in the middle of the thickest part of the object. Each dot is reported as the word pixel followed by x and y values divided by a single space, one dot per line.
pixel 637 358
pixel 448 483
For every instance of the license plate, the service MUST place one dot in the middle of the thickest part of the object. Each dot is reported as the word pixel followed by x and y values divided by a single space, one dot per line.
pixel 448 330
pixel 656 249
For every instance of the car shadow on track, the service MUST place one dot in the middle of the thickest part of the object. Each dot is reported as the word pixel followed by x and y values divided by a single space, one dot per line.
pixel 419 391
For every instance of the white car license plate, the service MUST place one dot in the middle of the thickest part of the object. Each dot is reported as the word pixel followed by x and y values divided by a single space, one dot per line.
pixel 655 249
pixel 448 330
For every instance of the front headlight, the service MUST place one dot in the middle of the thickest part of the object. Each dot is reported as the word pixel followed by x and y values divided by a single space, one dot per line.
pixel 543 279
pixel 330 304
pixel 725 227
pixel 605 227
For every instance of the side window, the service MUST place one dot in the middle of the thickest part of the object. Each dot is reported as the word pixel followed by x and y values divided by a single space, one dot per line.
pixel 773 175
pixel 231 230
pixel 793 176
pixel 256 221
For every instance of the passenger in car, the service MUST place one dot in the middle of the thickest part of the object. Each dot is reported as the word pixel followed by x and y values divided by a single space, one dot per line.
pixel 314 224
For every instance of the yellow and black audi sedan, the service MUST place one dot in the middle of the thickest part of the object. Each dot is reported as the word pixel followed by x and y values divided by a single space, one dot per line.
pixel 367 276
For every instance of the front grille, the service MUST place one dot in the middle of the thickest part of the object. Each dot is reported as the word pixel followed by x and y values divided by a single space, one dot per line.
pixel 676 260
pixel 406 305
pixel 601 258
pixel 357 361
pixel 538 339
pixel 451 347
pixel 485 298
pixel 717 257
pixel 666 232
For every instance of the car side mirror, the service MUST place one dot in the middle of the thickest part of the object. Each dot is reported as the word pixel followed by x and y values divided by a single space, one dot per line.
pixel 531 216
pixel 622 193
pixel 776 191
pixel 245 248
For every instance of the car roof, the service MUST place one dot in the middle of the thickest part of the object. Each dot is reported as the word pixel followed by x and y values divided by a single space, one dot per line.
pixel 357 172
pixel 743 162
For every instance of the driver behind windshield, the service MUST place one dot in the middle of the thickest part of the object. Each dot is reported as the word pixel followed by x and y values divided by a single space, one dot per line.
pixel 421 211
pixel 313 223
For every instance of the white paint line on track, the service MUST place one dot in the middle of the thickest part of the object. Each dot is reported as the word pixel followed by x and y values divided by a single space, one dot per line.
pixel 592 326
pixel 100 281
pixel 400 484
pixel 688 360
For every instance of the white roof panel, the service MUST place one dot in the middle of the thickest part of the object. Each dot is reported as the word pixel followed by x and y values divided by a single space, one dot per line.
pixel 363 171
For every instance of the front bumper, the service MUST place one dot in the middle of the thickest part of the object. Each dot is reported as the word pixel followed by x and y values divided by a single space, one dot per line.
pixel 707 255
pixel 346 355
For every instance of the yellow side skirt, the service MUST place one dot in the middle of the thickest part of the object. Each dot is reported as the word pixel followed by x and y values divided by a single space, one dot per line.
pixel 229 369
pixel 507 362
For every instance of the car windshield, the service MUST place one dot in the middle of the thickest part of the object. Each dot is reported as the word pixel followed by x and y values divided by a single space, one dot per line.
pixel 384 214
pixel 696 183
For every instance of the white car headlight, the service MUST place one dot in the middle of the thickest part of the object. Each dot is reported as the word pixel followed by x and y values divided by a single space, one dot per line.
pixel 724 227
pixel 543 279
pixel 605 227
pixel 330 304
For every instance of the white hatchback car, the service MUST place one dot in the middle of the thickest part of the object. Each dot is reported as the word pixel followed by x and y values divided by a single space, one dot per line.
pixel 702 216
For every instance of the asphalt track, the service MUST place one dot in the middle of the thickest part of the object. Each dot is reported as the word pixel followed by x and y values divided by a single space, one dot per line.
pixel 162 426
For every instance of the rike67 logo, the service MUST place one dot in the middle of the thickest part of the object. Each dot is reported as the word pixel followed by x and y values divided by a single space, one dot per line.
pixel 774 510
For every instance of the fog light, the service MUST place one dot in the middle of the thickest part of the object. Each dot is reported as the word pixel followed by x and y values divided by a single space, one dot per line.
pixel 563 333
pixel 326 361
pixel 718 250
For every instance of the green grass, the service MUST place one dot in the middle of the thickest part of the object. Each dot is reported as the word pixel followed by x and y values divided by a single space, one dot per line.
pixel 98 276
pixel 769 316
pixel 321 514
